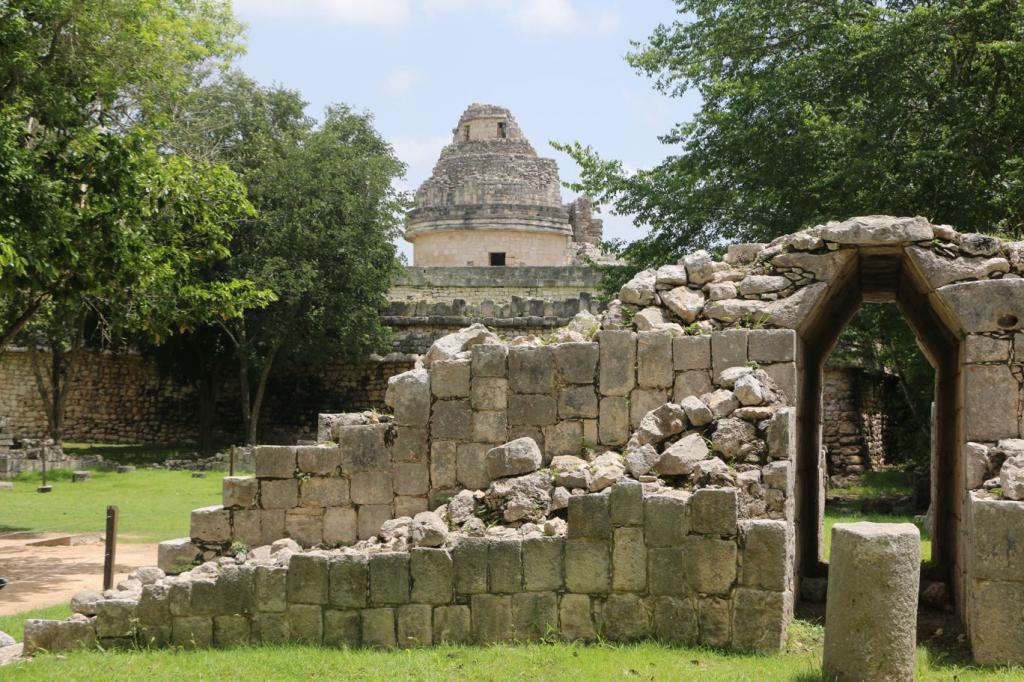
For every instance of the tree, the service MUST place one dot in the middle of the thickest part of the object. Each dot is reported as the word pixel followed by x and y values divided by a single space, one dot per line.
pixel 818 111
pixel 322 239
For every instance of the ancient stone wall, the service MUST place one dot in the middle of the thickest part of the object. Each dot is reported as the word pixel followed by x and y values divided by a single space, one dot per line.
pixel 854 422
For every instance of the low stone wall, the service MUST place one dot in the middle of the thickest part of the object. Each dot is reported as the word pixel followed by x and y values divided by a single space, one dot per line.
pixel 854 422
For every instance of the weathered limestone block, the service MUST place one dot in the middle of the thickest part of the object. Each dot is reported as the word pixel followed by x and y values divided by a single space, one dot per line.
pixel 490 427
pixel 976 465
pixel 979 348
pixel 640 289
pixel 57 635
pixel 617 367
pixel 695 382
pixel 531 410
pixel 231 631
pixel 349 581
pixel 675 620
pixel 379 628
pixel 504 565
pixel 781 434
pixel 577 401
pixel 759 620
pixel 270 586
pixel 709 564
pixel 576 617
pixel 587 566
pixel 239 492
pixel 411 479
pixel 940 271
pixel 452 420
pixel 211 524
pixel 319 460
pixel 489 360
pixel 176 556
pixel 517 457
pixel 469 557
pixel 433 576
pixel 627 503
pixel 715 620
pixel 450 379
pixel 589 517
pixel 269 628
pixel 997 539
pixel 871 615
pixel 625 618
pixel 991 395
pixel 115 618
pixel 680 457
pixel 642 401
pixel 372 487
pixel 997 637
pixel 691 352
pixel 275 461
pixel 364 447
pixel 613 423
pixel 489 393
pixel 577 362
pixel 531 369
pixel 452 625
pixel 410 397
pixel 192 632
pixel 406 505
pixel 1011 477
pixel 767 346
pixel 371 516
pixel 629 560
pixel 389 578
pixel 728 349
pixel 414 626
pixel 543 559
pixel 753 285
pixel 991 305
pixel 471 465
pixel 279 494
pixel 307 579
pixel 443 464
pixel 766 556
pixel 654 359
pixel 700 268
pixel 684 302
pixel 661 423
pixel 492 618
pixel 666 520
pixel 324 492
pixel 534 615
pixel 877 230
pixel 305 526
pixel 714 511
pixel 341 628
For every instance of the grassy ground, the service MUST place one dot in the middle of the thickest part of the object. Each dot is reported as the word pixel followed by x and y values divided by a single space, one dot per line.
pixel 154 505
pixel 14 625
pixel 884 483
pixel 832 518
pixel 647 661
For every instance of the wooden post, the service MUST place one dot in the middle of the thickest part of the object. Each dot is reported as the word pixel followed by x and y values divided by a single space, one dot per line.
pixel 110 548
pixel 231 460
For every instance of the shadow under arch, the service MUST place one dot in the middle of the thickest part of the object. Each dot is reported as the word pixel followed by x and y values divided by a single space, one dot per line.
pixel 881 274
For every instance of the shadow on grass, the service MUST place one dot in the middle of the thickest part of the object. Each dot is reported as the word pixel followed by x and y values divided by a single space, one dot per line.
pixel 142 453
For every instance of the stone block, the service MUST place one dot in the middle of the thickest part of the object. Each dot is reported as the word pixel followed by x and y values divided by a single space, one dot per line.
pixel 411 479
pixel 587 566
pixel 626 506
pixel 319 460
pixel 576 362
pixel 239 492
pixel 576 617
pixel 371 517
pixel 543 559
pixel 991 395
pixel 153 609
pixel 531 369
pixel 781 435
pixel 665 572
pixel 57 635
pixel 563 438
pixel 617 370
pixel 270 628
pixel 372 487
pixel 642 401
pixel 245 527
pixel 629 560
pixel 997 539
pixel 115 618
pixel 766 556
pixel 534 615
pixel 713 511
pixel 433 576
pixel 489 360
pixel 235 590
pixel 450 379
pixel 577 401
pixel 589 517
pixel 305 526
pixel 272 525
pixel 759 620
pixel 654 359
pixel 490 427
pixel 471 465
pixel 279 494
pixel 715 621
pixel 307 579
pixel 192 632
pixel 341 526
pixel 415 628
pixel 691 352
pixel 532 410
pixel 505 565
pixel 625 618
pixel 365 447
pixel 675 620
pixel 469 557
pixel 176 556
pixel 995 305
pixel 379 628
pixel 980 348
pixel 410 506
pixel 452 625
pixel 341 628
pixel 275 461
pixel 709 564
pixel 666 520
pixel 996 635
pixel 694 382
pixel 443 464
pixel 389 578
pixel 613 421
pixel 489 393
pixel 231 631
pixel 349 579
pixel 410 392
pixel 452 420
pixel 767 346
pixel 411 444
pixel 871 611
pixel 211 524
pixel 324 492
pixel 784 376
pixel 492 618
pixel 271 587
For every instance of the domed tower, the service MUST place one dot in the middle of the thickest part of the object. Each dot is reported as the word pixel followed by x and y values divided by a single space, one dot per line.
pixel 492 201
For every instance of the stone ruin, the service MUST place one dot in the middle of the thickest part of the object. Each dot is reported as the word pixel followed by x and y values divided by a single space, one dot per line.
pixel 656 473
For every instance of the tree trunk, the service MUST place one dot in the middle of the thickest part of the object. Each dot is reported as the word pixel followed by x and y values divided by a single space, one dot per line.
pixel 206 406
pixel 43 386
pixel 261 390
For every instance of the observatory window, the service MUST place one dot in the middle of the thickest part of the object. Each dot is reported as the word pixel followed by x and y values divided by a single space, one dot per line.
pixel 501 129
pixel 497 258
pixel 465 133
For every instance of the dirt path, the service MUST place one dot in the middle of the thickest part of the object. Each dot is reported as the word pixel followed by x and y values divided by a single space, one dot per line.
pixel 45 576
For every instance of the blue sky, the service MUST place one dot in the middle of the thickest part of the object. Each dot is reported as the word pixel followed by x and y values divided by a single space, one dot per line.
pixel 416 64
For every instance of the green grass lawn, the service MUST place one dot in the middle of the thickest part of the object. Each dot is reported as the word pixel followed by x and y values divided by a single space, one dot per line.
pixel 647 661
pixel 832 518
pixel 154 505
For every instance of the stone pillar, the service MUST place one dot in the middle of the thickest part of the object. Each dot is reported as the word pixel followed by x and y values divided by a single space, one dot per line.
pixel 871 617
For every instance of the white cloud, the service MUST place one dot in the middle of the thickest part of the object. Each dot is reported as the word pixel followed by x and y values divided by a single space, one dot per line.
pixel 555 16
pixel 401 80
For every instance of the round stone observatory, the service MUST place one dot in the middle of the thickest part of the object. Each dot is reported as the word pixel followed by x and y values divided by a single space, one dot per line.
pixel 492 201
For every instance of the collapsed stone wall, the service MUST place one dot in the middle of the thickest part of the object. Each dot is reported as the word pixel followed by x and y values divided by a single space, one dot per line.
pixel 855 427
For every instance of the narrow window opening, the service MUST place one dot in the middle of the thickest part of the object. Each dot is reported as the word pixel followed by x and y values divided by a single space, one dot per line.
pixel 501 129
pixel 465 133
pixel 498 258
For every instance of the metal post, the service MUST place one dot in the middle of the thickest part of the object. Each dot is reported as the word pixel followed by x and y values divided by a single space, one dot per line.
pixel 110 548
